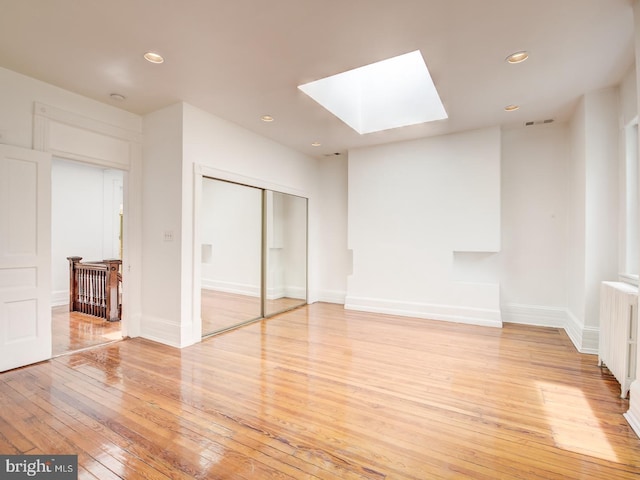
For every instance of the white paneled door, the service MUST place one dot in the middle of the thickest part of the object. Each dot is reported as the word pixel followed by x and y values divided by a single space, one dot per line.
pixel 25 257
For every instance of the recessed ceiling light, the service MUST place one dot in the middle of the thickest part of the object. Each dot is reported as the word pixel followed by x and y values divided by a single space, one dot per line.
pixel 153 57
pixel 316 144
pixel 517 57
pixel 266 118
pixel 117 96
pixel 511 108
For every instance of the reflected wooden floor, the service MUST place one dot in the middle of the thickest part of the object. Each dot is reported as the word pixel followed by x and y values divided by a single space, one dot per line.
pixel 324 393
pixel 71 331
pixel 222 310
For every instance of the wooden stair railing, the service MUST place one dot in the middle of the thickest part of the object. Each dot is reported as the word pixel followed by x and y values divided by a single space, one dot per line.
pixel 94 288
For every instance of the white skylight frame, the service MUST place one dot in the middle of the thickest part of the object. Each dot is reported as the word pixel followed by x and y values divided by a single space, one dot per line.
pixel 392 93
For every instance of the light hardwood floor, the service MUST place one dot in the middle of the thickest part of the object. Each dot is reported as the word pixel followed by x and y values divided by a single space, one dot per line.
pixel 222 310
pixel 71 331
pixel 324 393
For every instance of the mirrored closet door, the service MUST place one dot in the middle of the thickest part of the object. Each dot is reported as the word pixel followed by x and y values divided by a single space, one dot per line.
pixel 231 237
pixel 286 253
pixel 254 254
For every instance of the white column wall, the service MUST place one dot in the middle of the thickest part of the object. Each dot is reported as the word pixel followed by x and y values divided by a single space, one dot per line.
pixel 601 244
pixel 633 414
pixel 576 224
pixel 411 206
pixel 533 260
pixel 592 228
pixel 336 257
pixel 162 219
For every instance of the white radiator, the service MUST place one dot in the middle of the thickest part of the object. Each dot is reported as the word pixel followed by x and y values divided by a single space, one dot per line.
pixel 619 331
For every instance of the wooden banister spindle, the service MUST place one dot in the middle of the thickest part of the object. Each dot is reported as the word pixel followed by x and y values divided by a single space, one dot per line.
pixel 112 289
pixel 94 288
pixel 73 282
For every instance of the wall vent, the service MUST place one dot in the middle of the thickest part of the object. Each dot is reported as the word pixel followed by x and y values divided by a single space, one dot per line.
pixel 538 122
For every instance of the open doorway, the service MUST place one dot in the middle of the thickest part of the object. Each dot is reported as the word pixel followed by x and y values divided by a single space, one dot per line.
pixel 86 221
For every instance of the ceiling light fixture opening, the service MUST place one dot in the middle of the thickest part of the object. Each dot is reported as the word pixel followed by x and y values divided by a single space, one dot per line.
pixel 316 144
pixel 117 96
pixel 153 57
pixel 511 108
pixel 267 118
pixel 517 57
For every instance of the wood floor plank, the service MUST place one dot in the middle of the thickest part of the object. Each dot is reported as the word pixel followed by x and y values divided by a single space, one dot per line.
pixel 71 331
pixel 324 393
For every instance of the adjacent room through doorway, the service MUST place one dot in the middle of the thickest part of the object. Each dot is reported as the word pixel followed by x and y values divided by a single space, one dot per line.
pixel 86 222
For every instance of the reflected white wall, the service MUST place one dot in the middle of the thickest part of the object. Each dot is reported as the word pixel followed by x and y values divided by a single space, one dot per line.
pixel 231 235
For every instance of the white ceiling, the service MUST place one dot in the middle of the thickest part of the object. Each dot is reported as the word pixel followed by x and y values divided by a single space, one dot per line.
pixel 240 59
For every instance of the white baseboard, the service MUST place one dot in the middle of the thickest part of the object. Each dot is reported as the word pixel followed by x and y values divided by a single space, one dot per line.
pixel 585 339
pixel 131 324
pixel 448 313
pixel 331 296
pixel 230 287
pixel 537 315
pixel 294 292
pixel 590 340
pixel 165 331
pixel 633 414
pixel 59 297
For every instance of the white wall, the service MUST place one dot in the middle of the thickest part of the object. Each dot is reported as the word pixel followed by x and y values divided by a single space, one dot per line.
pixel 411 206
pixel 628 178
pixel 162 226
pixel 593 211
pixel 18 94
pixel 633 415
pixel 336 257
pixel 85 205
pixel 533 260
pixel 628 96
pixel 603 162
pixel 576 220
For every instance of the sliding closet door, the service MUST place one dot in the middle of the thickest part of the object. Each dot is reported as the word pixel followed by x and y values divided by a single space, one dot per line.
pixel 286 252
pixel 231 237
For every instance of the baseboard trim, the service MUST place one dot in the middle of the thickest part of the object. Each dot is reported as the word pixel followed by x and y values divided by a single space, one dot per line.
pixel 633 421
pixel 331 296
pixel 252 290
pixel 633 414
pixel 536 315
pixel 161 330
pixel 447 313
pixel 585 339
pixel 230 287
pixel 59 298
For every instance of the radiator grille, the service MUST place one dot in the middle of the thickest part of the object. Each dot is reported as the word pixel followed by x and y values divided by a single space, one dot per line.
pixel 618 331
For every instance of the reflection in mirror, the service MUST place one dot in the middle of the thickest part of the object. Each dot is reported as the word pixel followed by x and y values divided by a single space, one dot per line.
pixel 286 260
pixel 231 236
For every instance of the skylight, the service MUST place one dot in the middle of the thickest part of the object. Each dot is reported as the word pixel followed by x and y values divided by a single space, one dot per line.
pixel 388 94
